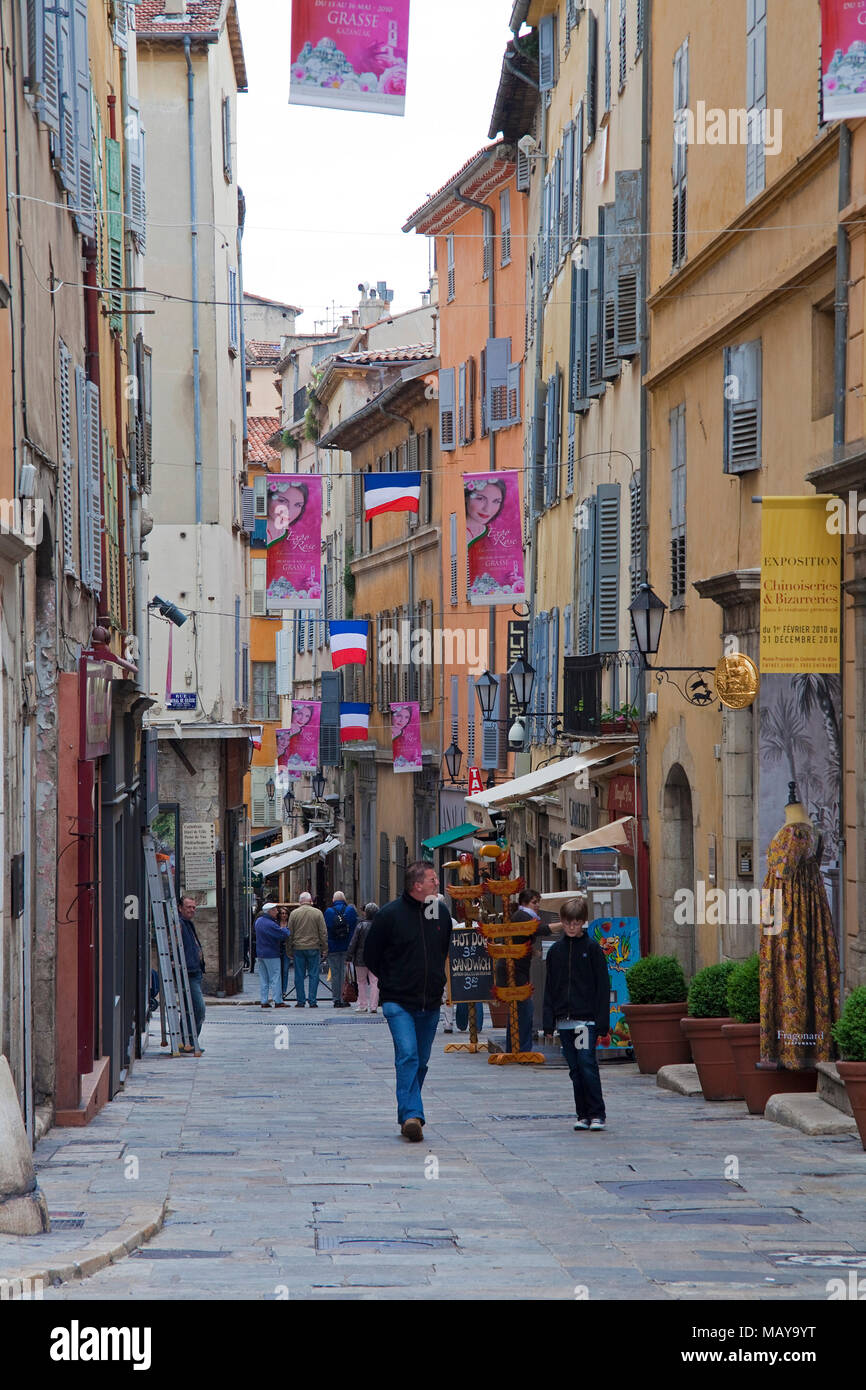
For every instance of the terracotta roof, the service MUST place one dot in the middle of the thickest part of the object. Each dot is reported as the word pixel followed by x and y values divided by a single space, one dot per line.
pixel 200 17
pixel 261 354
pixel 261 428
pixel 452 182
pixel 417 353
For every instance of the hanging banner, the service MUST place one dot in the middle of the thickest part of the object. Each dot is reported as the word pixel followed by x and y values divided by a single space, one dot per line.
pixel 298 746
pixel 294 540
pixel 350 54
pixel 843 58
pixel 406 736
pixel 494 538
pixel 801 579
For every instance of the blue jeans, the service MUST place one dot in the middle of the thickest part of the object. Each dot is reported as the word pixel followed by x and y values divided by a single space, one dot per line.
pixel 307 963
pixel 337 962
pixel 583 1070
pixel 195 990
pixel 284 971
pixel 269 975
pixel 412 1032
pixel 524 1026
pixel 461 1015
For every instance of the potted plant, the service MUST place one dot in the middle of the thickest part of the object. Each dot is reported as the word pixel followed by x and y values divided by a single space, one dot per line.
pixel 850 1037
pixel 620 720
pixel 657 1003
pixel 708 1011
pixel 744 1040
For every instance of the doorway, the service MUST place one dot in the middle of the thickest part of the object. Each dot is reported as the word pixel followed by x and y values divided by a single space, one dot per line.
pixel 677 870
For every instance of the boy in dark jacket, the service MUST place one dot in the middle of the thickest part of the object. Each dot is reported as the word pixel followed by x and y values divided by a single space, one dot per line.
pixel 577 1005
pixel 406 950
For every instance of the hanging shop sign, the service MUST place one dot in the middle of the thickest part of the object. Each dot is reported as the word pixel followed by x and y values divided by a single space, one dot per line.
pixel 494 538
pixel 801 575
pixel 294 541
pixel 350 54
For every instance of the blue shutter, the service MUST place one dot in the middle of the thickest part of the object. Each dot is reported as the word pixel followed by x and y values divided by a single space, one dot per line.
pixel 577 179
pixel 490 734
pixel 554 659
pixel 554 425
pixel 596 383
pixel 514 394
pixel 743 407
pixel 578 379
pixel 542 672
pixel 610 361
pixel 607 567
pixel 329 729
pixel 586 582
pixel 461 404
pixel 567 636
pixel 607 74
pixel 447 433
pixel 547 52
pixel 591 75
pixel 85 534
pixel 568 184
pixel 41 45
pixel 537 461
pixel 85 217
pixel 756 95
pixel 68 99
pixel 628 205
pixel 498 361
pixel 636 531
pixel 572 451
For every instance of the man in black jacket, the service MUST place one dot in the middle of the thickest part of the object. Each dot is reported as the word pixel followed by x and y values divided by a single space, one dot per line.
pixel 406 950
pixel 577 1004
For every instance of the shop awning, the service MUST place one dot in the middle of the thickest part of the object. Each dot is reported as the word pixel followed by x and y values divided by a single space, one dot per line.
pixel 543 780
pixel 283 845
pixel 609 836
pixel 450 837
pixel 288 860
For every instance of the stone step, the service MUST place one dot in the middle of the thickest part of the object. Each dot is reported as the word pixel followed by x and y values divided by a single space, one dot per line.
pixel 808 1113
pixel 831 1088
pixel 681 1078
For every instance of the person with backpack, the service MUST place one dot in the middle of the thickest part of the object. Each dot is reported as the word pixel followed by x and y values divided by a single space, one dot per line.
pixel 341 919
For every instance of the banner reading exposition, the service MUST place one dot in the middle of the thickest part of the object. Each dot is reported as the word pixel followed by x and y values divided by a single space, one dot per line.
pixel 294 540
pixel 801 585
pixel 843 58
pixel 406 736
pixel 350 54
pixel 298 746
pixel 494 538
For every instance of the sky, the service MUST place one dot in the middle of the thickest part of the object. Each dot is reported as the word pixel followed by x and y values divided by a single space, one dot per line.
pixel 327 192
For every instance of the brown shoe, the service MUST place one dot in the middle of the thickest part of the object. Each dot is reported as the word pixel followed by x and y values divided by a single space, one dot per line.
pixel 412 1130
pixel 281 1006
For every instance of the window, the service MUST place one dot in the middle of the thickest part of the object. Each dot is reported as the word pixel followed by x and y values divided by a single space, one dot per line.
pixel 756 96
pixel 591 101
pixel 678 506
pixel 505 227
pixel 227 139
pixel 451 269
pixel 635 533
pixel 265 704
pixel 547 52
pixel 607 53
pixel 264 809
pixel 447 432
pixel 502 385
pixel 234 331
pixel 259 587
pixel 623 40
pixel 607 566
pixel 680 201
pixel 453 537
pixel 743 407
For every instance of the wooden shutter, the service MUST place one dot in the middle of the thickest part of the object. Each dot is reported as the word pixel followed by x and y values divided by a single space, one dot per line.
pixel 137 181
pixel 67 89
pixel 64 362
pixel 490 734
pixel 542 672
pixel 678 505
pixel 628 201
pixel 553 687
pixel 596 384
pixel 505 226
pixel 524 171
pixel 42 74
pixel 94 458
pixel 586 581
pixel 470 721
pixel 635 532
pixel 227 139
pixel 514 412
pixel 447 438
pixel 453 540
pixel 426 693
pixel 259 582
pixel 577 177
pixel 258 796
pixel 567 213
pixel 455 708
pixel 283 664
pixel 567 634
pixel 638 48
pixel 85 215
pixel 451 267
pixel 743 407
pixel 610 362
pixel 756 95
pixel 556 217
pixel 329 729
pixel 569 472
pixel 554 422
pixel 121 27
pixel 607 566
pixel 538 459
pixel 623 40
pixel 234 339
pixel 85 534
pixel 680 161
pixel 461 403
pixel 498 360
pixel 607 54
pixel 547 52
pixel 579 366
pixel 483 391
pixel 114 193
pixel 248 509
pixel 591 75
pixel 471 392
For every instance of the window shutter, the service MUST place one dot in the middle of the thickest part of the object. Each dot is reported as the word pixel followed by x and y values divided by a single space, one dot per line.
pixel 635 568
pixel 452 273
pixel 284 670
pixel 505 226
pixel 329 734
pixel 137 187
pixel 577 177
pixel 586 581
pixel 569 473
pixel 607 54
pixel 566 631
pixel 248 509
pixel 557 230
pixel 85 533
pixel 554 418
pixel 623 40
pixel 426 691
pixel 610 361
pixel 234 340
pixel 145 408
pixel 537 462
pixel 591 75
pixel 41 40
pixel 461 403
pixel 227 139
pixel 628 199
pixel 567 213
pixel 85 216
pixel 639 35
pixel 114 188
pixel 490 734
pixel 743 407
pixel 498 359
pixel 446 408
pixel 514 414
pixel 121 26
pixel 258 781
pixel 607 560
pixel 680 162
pixel 95 464
pixel 524 171
pixel 595 379
pixel 67 479
pixel 678 505
pixel 470 721
pixel 542 670
pixel 579 367
pixel 259 581
pixel 67 98
pixel 553 700
pixel 547 52
pixel 471 392
pixel 453 538
pixel 483 391
pixel 756 95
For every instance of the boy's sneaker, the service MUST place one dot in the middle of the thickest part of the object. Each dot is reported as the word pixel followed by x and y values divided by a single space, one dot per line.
pixel 582 1124
pixel 596 1124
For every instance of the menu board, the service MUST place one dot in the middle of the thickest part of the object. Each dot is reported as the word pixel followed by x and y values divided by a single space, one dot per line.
pixel 470 969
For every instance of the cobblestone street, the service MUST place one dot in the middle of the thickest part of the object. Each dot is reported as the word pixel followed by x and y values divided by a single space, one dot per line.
pixel 284 1176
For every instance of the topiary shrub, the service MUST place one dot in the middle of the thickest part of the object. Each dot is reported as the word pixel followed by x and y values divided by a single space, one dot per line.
pixel 850 1032
pixel 744 991
pixel 656 980
pixel 708 991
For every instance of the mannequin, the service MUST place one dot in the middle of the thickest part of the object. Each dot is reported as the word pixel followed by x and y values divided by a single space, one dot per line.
pixel 799 956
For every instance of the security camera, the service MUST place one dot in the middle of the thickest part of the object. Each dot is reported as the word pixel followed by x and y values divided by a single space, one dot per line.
pixel 168 610
pixel 516 735
pixel 527 144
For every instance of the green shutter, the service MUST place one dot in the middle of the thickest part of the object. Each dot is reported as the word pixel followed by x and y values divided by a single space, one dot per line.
pixel 114 182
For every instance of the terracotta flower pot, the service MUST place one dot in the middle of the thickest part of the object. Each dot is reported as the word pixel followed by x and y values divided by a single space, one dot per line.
pixel 854 1076
pixel 744 1040
pixel 656 1035
pixel 712 1057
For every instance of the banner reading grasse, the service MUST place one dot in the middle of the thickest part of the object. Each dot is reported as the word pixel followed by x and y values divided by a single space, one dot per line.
pixel 294 540
pixel 494 538
pixel 843 58
pixel 298 746
pixel 350 54
pixel 406 736
pixel 801 588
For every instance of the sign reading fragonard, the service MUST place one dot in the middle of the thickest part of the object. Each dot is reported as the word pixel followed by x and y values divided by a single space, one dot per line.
pixel 294 540
pixel 350 54
pixel 406 736
pixel 843 58
pixel 298 746
pixel 494 538
pixel 801 571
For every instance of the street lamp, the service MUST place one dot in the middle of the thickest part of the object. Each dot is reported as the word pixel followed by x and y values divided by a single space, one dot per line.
pixel 289 805
pixel 270 788
pixel 647 615
pixel 486 688
pixel 318 785
pixel 521 678
pixel 453 760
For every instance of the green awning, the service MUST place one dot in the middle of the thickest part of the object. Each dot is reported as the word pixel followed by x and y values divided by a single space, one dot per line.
pixel 450 837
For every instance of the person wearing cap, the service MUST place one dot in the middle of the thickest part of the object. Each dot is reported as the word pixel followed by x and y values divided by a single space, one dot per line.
pixel 309 947
pixel 269 935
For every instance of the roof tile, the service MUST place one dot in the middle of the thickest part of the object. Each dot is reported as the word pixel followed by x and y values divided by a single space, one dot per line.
pixel 260 429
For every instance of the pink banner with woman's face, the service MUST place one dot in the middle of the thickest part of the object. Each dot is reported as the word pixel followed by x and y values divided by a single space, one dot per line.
pixel 294 540
pixel 298 746
pixel 843 58
pixel 406 736
pixel 350 54
pixel 494 538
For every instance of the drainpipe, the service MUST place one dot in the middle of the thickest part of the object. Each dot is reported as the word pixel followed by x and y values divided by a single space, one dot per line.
pixel 840 393
pixel 490 234
pixel 193 217
pixel 643 726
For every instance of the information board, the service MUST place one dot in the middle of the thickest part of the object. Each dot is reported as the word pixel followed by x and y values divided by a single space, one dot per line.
pixel 470 969
pixel 199 856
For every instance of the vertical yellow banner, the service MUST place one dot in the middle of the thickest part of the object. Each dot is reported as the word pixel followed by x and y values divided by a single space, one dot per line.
pixel 801 586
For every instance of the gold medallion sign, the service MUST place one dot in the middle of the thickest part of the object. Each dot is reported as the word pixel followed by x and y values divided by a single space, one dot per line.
pixel 737 681
pixel 801 577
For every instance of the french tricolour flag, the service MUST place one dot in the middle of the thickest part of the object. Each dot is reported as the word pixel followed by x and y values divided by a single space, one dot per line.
pixel 354 722
pixel 348 643
pixel 391 492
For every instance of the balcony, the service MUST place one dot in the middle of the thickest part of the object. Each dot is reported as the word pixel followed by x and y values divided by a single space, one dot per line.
pixel 582 696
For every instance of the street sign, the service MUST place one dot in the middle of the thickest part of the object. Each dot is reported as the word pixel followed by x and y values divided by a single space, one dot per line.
pixel 182 700
pixel 475 784
pixel 199 855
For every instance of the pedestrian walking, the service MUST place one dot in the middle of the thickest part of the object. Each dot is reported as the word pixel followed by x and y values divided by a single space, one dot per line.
pixel 406 950
pixel 341 919
pixel 285 953
pixel 577 1006
pixel 269 938
pixel 368 985
pixel 194 955
pixel 309 944
pixel 528 903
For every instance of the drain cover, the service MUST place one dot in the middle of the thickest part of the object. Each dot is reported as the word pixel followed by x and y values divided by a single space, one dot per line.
pixel 817 1259
pixel 181 1254
pixel 199 1153
pixel 66 1220
pixel 381 1245
pixel 778 1216
pixel 663 1187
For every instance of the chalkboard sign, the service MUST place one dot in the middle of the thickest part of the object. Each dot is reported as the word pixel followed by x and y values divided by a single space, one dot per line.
pixel 470 969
